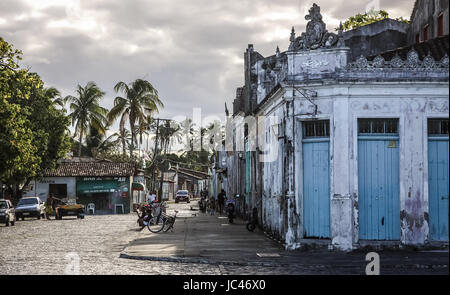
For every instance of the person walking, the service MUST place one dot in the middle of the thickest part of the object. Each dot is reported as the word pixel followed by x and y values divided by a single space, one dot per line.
pixel 49 205
pixel 221 201
pixel 212 205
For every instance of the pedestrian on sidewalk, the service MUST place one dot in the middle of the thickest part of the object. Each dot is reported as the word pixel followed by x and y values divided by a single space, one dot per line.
pixel 220 201
pixel 212 205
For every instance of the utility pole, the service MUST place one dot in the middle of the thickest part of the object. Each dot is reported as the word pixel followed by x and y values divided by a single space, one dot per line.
pixel 154 156
pixel 154 159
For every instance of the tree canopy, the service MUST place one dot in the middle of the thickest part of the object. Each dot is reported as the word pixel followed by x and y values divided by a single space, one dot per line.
pixel 33 132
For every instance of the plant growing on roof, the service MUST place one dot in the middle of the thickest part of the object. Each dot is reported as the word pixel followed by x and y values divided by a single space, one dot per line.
pixel 362 19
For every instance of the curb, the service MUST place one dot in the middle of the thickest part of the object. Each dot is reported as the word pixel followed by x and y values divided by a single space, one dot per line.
pixel 200 261
pixel 271 264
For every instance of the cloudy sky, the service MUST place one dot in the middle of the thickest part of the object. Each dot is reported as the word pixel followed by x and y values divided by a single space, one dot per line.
pixel 190 50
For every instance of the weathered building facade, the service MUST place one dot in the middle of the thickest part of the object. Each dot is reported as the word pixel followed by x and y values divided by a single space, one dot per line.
pixel 105 184
pixel 344 149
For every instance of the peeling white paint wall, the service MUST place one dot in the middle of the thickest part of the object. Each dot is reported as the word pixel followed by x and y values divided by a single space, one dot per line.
pixel 41 188
pixel 343 104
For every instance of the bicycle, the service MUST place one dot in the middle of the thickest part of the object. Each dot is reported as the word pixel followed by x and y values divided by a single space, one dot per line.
pixel 154 223
pixel 169 221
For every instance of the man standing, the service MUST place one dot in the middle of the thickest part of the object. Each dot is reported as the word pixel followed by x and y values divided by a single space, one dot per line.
pixel 151 198
pixel 220 201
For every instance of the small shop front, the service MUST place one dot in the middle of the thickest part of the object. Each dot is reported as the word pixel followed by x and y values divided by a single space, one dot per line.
pixel 110 195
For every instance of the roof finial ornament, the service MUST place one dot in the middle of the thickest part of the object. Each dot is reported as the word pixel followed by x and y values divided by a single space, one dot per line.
pixel 227 113
pixel 292 39
pixel 340 42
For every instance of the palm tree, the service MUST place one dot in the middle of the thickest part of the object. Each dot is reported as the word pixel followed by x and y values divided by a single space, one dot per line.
pixel 187 130
pixel 141 99
pixel 214 135
pixel 55 96
pixel 86 111
pixel 167 134
pixel 124 136
pixel 97 143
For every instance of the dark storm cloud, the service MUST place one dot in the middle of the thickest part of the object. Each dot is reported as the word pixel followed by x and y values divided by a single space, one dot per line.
pixel 192 51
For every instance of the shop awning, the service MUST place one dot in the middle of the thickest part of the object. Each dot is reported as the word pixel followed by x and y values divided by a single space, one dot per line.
pixel 136 186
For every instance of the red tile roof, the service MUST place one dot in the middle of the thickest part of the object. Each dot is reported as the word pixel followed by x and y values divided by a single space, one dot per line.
pixel 69 169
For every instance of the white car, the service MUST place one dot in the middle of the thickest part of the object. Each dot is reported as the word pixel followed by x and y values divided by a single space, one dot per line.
pixel 30 207
pixel 183 195
pixel 7 215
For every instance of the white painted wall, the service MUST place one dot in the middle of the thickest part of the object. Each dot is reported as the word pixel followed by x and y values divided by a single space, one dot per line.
pixel 343 104
pixel 40 188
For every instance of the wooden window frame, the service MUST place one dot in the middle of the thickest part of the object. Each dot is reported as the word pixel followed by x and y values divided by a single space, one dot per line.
pixel 440 25
pixel 425 32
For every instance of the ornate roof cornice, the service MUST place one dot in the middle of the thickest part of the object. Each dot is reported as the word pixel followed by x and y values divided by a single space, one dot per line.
pixel 411 62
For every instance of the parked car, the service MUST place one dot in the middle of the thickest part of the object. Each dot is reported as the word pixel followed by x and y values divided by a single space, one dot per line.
pixel 7 213
pixel 30 207
pixel 69 208
pixel 182 195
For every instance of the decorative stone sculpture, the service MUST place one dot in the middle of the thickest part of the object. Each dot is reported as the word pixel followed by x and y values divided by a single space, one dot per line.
pixel 316 35
pixel 428 61
pixel 378 62
pixel 396 61
pixel 444 61
pixel 361 62
pixel 412 59
pixel 315 28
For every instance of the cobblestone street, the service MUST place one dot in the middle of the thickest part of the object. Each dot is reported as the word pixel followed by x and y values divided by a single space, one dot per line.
pixel 45 246
pixel 40 247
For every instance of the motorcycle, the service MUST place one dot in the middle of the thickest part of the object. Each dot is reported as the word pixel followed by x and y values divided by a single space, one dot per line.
pixel 144 214
pixel 251 225
pixel 230 212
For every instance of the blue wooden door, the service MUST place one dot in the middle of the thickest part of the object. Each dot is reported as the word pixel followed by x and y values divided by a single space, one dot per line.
pixel 378 179
pixel 316 187
pixel 378 186
pixel 438 187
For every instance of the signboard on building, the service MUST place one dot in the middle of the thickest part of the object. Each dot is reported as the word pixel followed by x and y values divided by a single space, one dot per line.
pixel 89 185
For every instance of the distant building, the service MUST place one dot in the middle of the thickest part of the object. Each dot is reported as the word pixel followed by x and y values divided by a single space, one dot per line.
pixel 429 20
pixel 191 180
pixel 345 136
pixel 107 185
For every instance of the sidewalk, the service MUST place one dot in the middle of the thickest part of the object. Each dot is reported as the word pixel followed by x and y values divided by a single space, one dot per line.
pixel 211 239
pixel 203 239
